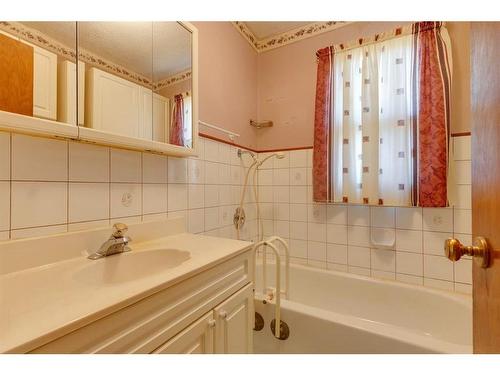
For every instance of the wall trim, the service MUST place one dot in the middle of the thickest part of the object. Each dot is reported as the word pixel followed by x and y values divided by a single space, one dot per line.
pixel 288 37
pixel 462 134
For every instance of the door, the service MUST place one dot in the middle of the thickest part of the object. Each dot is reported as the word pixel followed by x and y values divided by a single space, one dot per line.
pixel 198 338
pixel 234 323
pixel 44 84
pixel 485 99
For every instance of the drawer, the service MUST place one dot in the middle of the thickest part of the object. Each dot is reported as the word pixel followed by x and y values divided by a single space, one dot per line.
pixel 147 324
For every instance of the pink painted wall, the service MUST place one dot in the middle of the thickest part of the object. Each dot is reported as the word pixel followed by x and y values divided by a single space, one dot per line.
pixel 227 81
pixel 287 85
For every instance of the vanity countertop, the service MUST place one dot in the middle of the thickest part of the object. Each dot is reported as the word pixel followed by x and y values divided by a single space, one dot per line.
pixel 42 303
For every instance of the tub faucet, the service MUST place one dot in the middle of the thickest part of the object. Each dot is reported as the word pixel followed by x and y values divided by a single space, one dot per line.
pixel 117 243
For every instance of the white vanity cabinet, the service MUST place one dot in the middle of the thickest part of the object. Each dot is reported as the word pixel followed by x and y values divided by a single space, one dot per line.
pixel 209 312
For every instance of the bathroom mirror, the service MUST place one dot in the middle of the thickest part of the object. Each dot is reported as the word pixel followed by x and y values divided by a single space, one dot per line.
pixel 38 70
pixel 137 81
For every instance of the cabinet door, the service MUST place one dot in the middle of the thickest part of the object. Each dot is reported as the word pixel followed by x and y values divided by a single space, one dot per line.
pixel 66 88
pixel 234 323
pixel 160 118
pixel 44 83
pixel 113 105
pixel 198 338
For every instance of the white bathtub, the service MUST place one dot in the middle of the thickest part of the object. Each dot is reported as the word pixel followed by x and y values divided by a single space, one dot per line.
pixel 336 312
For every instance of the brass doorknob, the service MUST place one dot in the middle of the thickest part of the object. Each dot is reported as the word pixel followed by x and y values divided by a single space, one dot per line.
pixel 480 251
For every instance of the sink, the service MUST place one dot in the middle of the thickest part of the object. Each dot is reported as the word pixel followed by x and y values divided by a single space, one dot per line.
pixel 130 266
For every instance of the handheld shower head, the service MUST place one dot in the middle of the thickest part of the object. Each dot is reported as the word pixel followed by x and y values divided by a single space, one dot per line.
pixel 280 155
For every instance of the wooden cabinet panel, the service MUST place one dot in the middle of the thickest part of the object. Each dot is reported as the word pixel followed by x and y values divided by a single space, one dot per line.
pixel 16 76
pixel 234 323
pixel 198 338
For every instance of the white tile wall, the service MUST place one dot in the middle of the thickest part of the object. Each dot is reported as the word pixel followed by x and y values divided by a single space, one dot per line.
pixel 55 186
pixel 417 256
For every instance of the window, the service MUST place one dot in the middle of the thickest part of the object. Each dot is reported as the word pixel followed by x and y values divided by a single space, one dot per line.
pixel 372 126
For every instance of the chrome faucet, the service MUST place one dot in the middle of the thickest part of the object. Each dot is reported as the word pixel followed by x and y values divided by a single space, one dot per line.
pixel 117 243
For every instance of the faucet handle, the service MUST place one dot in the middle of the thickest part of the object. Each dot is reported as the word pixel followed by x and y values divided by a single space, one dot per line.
pixel 119 229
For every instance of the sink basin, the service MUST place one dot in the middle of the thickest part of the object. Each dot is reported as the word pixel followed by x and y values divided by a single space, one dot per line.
pixel 130 266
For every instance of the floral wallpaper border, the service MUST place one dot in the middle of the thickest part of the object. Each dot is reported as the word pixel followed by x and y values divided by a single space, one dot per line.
pixel 41 40
pixel 288 37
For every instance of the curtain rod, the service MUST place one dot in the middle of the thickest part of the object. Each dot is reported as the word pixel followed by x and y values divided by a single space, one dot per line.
pixel 230 134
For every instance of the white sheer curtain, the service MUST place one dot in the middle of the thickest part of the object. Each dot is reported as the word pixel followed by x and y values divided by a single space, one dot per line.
pixel 372 150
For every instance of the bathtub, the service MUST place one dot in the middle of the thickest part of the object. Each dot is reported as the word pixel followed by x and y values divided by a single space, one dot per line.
pixel 336 312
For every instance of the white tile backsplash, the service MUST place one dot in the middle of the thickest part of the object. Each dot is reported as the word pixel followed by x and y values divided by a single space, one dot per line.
pixel 32 155
pixel 88 163
pixel 206 190
pixel 36 204
pixel 126 166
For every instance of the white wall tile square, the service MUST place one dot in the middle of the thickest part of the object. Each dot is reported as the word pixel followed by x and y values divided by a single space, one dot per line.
pixel 177 197
pixel 88 201
pixel 154 198
pixel 463 271
pixel 4 156
pixel 126 166
pixel 464 196
pixel 211 195
pixel 316 232
pixel 125 200
pixel 462 221
pixel 298 176
pixel 438 284
pixel 196 171
pixel 298 194
pixel 383 217
pixel 383 260
pixel 4 205
pixel 88 163
pixel 298 158
pixel 409 218
pixel 409 240
pixel 281 177
pixel 316 250
pixel 37 204
pixel 224 174
pixel 196 196
pixel 358 236
pixel 434 242
pixel 38 231
pixel 317 213
pixel 462 148
pixel 154 169
pixel 298 248
pixel 211 218
pixel 298 212
pixel 358 215
pixel 211 150
pixel 438 219
pixel 298 230
pixel 358 256
pixel 336 234
pixel 463 172
pixel 281 194
pixel 211 173
pixel 177 170
pixel 196 221
pixel 438 267
pixel 336 214
pixel 336 253
pixel 409 263
pixel 39 159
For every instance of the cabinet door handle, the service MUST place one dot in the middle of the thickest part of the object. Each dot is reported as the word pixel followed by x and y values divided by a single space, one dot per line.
pixel 211 323
pixel 223 314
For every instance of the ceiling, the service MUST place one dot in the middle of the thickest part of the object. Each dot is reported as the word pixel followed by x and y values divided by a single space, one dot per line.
pixel 129 44
pixel 266 29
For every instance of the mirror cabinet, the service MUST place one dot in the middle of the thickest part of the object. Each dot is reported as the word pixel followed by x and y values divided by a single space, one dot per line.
pixel 124 84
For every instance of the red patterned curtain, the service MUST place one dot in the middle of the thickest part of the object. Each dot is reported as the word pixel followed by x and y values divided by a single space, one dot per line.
pixel 177 128
pixel 322 186
pixel 434 82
